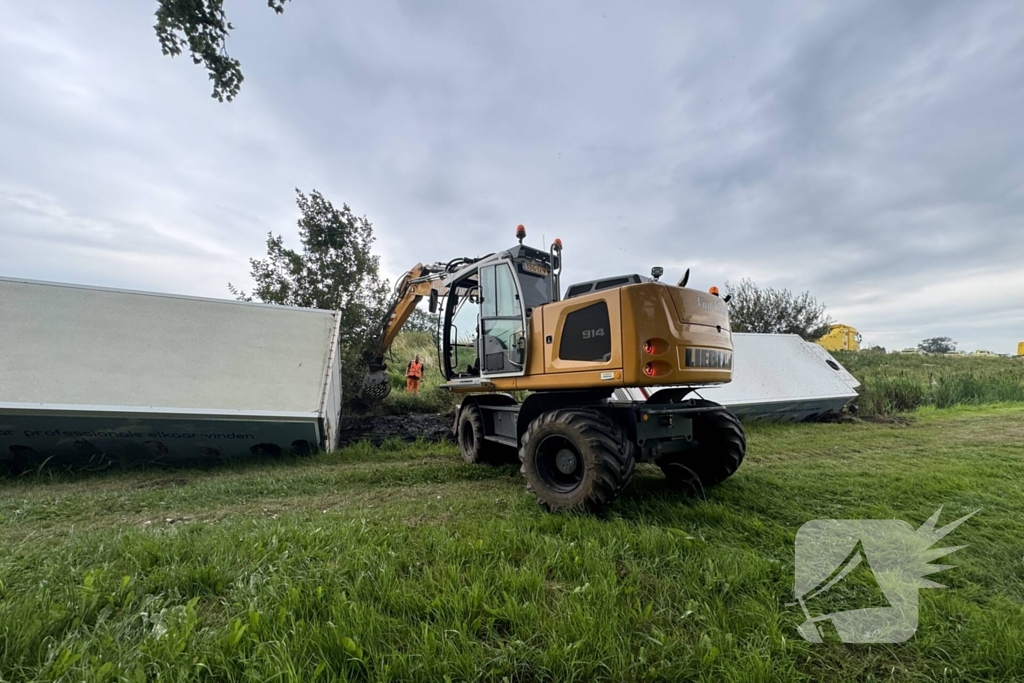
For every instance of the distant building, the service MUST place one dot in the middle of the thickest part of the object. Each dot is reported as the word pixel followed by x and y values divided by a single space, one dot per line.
pixel 841 338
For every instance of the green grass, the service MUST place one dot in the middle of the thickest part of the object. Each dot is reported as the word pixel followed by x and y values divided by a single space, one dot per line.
pixel 898 382
pixel 403 563
pixel 430 399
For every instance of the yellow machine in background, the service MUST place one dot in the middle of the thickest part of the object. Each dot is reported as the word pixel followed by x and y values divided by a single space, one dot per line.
pixel 505 327
pixel 841 338
pixel 1020 349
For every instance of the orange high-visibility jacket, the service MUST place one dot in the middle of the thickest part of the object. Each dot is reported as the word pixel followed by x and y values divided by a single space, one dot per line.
pixel 415 370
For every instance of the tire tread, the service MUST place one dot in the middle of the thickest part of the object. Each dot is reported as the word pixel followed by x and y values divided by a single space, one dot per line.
pixel 604 438
pixel 719 454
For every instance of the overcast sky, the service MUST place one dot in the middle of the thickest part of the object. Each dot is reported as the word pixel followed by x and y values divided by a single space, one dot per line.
pixel 870 152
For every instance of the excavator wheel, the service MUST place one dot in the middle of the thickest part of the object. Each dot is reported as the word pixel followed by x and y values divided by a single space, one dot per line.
pixel 471 434
pixel 721 445
pixel 576 459
pixel 472 445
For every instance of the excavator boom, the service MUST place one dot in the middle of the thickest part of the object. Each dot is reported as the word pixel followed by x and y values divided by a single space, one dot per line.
pixel 418 282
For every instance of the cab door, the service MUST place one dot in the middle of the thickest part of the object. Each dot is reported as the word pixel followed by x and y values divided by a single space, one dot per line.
pixel 502 323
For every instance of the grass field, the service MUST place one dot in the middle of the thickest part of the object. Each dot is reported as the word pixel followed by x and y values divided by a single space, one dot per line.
pixel 898 382
pixel 406 564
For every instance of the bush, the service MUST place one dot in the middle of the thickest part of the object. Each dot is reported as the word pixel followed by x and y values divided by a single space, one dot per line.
pixel 967 387
pixel 895 383
pixel 888 395
pixel 951 390
pixel 1008 388
pixel 775 311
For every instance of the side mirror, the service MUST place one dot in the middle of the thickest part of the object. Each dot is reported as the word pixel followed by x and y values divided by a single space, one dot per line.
pixel 432 304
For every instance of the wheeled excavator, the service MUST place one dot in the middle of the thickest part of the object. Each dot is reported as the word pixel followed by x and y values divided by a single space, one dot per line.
pixel 505 330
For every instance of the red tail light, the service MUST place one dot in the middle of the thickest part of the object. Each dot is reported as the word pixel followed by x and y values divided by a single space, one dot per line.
pixel 649 370
pixel 655 346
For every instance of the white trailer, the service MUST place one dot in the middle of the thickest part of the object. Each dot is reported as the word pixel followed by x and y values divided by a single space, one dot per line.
pixel 88 372
pixel 779 378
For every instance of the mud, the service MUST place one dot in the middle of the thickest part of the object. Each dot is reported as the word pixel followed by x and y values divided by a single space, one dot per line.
pixel 378 428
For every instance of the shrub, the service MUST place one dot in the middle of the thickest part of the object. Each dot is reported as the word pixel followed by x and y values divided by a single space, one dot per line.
pixel 893 394
pixel 1006 388
pixel 968 387
pixel 899 382
pixel 955 389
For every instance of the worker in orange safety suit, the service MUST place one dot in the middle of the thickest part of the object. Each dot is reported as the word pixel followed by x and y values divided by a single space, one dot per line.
pixel 413 375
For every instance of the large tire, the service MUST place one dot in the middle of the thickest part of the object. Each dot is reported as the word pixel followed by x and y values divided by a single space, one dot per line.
pixel 473 447
pixel 470 435
pixel 576 459
pixel 721 445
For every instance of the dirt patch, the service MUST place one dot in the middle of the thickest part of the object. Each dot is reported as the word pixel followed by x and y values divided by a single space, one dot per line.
pixel 379 428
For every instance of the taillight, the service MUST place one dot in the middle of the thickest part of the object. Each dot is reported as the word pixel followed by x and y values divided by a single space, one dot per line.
pixel 649 370
pixel 655 346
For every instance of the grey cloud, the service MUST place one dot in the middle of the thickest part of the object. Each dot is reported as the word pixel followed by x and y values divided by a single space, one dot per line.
pixel 857 150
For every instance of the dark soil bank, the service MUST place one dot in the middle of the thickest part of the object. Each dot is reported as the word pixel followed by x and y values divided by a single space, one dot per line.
pixel 379 428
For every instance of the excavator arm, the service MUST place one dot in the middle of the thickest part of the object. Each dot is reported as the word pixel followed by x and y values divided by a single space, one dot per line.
pixel 419 282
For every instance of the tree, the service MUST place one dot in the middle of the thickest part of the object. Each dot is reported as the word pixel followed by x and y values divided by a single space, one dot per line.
pixel 775 311
pixel 335 270
pixel 202 27
pixel 937 345
pixel 421 321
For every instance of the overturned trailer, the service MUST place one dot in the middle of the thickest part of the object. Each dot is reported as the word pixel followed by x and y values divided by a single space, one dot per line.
pixel 777 377
pixel 88 373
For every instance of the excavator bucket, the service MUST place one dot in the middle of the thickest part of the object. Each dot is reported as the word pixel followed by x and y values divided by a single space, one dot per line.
pixel 376 385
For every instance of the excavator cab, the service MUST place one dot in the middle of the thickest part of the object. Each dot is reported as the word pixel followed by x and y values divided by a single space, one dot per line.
pixel 487 312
